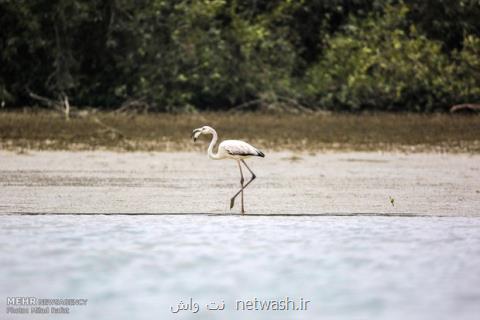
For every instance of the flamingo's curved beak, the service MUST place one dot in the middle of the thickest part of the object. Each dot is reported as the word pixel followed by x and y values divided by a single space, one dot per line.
pixel 195 134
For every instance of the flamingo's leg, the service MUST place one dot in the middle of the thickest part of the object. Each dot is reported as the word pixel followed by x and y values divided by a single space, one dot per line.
pixel 241 185
pixel 232 201
pixel 245 164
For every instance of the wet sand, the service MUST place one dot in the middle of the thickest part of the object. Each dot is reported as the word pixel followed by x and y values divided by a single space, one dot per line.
pixel 332 183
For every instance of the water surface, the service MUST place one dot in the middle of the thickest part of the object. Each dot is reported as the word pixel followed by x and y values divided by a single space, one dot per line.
pixel 138 267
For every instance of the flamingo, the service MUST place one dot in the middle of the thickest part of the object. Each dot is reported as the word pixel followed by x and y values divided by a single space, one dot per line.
pixel 231 149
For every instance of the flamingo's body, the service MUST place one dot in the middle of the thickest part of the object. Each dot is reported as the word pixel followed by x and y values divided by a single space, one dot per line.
pixel 237 150
pixel 230 149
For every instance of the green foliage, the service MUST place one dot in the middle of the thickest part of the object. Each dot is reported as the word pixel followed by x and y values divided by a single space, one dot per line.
pixel 383 62
pixel 447 21
pixel 466 71
pixel 213 57
pixel 182 55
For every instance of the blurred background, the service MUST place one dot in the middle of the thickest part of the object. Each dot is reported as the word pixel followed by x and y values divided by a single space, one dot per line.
pixel 366 202
pixel 177 55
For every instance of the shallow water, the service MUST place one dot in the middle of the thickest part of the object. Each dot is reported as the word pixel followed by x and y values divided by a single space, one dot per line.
pixel 141 267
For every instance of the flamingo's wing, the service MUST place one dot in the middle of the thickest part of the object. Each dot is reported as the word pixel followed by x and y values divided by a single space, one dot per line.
pixel 240 148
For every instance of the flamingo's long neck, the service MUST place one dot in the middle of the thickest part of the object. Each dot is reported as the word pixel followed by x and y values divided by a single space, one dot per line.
pixel 212 155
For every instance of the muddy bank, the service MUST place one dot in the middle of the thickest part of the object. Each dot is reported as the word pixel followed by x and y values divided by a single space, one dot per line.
pixel 171 132
pixel 187 182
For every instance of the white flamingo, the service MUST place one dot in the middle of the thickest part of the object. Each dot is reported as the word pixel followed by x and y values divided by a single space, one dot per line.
pixel 230 149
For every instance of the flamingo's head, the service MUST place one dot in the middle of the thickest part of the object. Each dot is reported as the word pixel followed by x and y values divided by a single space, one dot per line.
pixel 203 130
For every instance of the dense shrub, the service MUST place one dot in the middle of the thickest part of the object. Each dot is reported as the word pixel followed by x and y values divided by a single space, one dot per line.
pixel 181 55
pixel 383 62
pixel 465 84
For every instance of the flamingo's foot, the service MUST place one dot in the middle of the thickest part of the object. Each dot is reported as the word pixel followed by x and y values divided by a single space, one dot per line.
pixel 232 203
